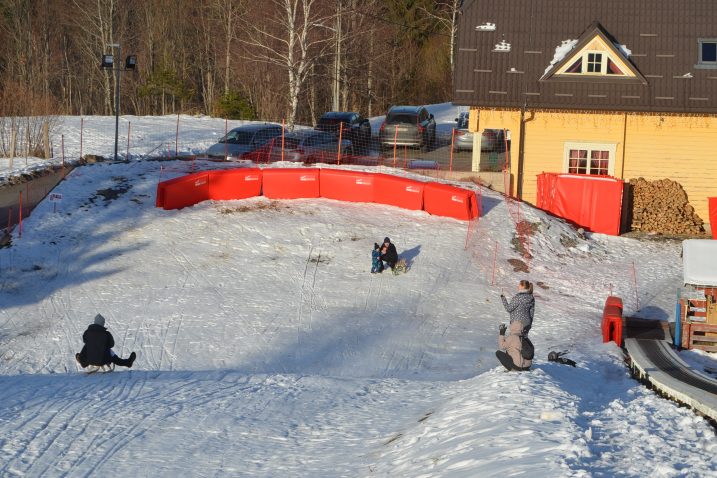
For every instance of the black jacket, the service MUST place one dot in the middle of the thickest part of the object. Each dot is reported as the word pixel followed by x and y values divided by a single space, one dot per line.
pixel 390 256
pixel 98 342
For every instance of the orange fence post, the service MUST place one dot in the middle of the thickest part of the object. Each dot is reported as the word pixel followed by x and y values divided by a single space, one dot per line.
pixel 226 144
pixel 395 140
pixel 283 129
pixel 453 143
pixel 341 134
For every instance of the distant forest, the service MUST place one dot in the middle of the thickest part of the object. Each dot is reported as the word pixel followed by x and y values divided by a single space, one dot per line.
pixel 241 59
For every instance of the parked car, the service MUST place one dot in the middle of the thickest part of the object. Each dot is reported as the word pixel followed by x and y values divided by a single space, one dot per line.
pixel 408 126
pixel 355 128
pixel 463 138
pixel 492 140
pixel 309 146
pixel 242 140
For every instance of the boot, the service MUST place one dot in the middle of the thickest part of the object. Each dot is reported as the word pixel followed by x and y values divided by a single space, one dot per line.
pixel 131 358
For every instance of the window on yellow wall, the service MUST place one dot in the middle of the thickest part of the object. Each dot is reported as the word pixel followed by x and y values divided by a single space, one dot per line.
pixel 589 158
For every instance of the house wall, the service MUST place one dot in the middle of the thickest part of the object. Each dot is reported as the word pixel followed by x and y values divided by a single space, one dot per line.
pixel 681 148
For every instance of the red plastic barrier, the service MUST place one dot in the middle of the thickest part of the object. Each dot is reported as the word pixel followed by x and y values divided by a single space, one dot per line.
pixel 184 191
pixel 398 191
pixel 713 216
pixel 592 202
pixel 355 186
pixel 238 183
pixel 290 183
pixel 444 200
pixel 612 321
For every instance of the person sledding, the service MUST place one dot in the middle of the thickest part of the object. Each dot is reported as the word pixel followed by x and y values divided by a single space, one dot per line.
pixel 388 253
pixel 516 351
pixel 376 263
pixel 97 350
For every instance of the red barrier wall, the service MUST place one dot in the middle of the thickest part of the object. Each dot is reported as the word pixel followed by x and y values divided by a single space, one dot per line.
pixel 238 183
pixel 355 186
pixel 713 216
pixel 398 191
pixel 184 191
pixel 444 200
pixel 592 202
pixel 290 183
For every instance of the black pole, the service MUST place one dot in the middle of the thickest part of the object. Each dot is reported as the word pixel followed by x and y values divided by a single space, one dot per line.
pixel 117 96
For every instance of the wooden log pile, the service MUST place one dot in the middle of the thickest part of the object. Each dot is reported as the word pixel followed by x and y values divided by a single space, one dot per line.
pixel 662 207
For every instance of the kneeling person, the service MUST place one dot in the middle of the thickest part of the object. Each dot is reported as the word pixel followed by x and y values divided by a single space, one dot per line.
pixel 516 351
pixel 98 347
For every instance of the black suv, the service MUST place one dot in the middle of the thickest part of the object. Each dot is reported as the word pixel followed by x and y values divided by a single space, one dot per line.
pixel 355 128
pixel 408 126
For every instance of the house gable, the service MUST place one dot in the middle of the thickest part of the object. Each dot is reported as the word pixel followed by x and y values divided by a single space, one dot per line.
pixel 595 57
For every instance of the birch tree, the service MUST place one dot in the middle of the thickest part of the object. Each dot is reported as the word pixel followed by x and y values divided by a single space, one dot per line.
pixel 292 39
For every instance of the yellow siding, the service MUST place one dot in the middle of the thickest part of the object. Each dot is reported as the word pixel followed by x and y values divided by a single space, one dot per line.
pixel 681 148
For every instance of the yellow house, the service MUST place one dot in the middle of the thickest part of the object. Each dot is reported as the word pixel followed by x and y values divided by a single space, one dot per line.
pixel 625 89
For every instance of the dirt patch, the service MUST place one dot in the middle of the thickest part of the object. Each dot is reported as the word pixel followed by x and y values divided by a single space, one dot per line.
pixel 518 265
pixel 567 241
pixel 542 285
pixel 521 237
pixel 260 206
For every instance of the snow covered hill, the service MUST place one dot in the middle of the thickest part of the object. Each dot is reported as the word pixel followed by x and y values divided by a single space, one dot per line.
pixel 266 348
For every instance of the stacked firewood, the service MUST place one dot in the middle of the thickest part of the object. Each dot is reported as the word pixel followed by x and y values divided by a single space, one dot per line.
pixel 661 206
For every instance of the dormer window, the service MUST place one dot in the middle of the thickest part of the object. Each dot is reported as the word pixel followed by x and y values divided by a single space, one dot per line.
pixel 594 63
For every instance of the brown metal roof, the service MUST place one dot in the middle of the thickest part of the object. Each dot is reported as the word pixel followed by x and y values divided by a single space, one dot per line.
pixel 502 65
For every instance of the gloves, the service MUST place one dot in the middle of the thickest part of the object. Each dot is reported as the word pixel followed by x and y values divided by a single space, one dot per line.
pixel 502 329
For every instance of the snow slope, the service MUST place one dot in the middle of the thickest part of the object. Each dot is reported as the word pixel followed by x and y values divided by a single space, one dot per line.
pixel 267 349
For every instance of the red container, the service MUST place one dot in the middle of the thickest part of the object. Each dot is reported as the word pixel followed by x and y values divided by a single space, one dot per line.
pixel 238 183
pixel 342 185
pixel 290 183
pixel 398 191
pixel 444 200
pixel 185 191
pixel 712 204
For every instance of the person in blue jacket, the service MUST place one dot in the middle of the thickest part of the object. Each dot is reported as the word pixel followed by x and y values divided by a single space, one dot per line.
pixel 376 263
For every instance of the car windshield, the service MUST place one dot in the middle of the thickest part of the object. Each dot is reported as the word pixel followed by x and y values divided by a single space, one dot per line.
pixel 406 118
pixel 237 137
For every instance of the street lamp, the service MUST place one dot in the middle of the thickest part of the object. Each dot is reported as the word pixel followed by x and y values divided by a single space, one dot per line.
pixel 108 63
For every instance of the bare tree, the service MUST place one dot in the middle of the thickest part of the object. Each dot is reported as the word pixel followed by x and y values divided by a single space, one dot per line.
pixel 292 40
pixel 446 13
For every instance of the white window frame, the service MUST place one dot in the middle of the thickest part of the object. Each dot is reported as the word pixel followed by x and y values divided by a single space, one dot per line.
pixel 701 64
pixel 605 56
pixel 611 148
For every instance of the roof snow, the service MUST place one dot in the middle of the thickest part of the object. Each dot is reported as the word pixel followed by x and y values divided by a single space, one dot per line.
pixel 560 52
pixel 624 50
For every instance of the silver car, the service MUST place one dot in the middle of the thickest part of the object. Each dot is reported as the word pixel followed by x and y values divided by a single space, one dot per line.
pixel 243 140
pixel 407 126
pixel 492 140
pixel 463 139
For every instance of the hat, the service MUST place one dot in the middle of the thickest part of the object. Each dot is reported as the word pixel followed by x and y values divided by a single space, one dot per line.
pixel 386 239
pixel 99 320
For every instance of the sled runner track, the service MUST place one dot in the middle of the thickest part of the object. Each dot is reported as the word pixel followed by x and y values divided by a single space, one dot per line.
pixel 655 362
